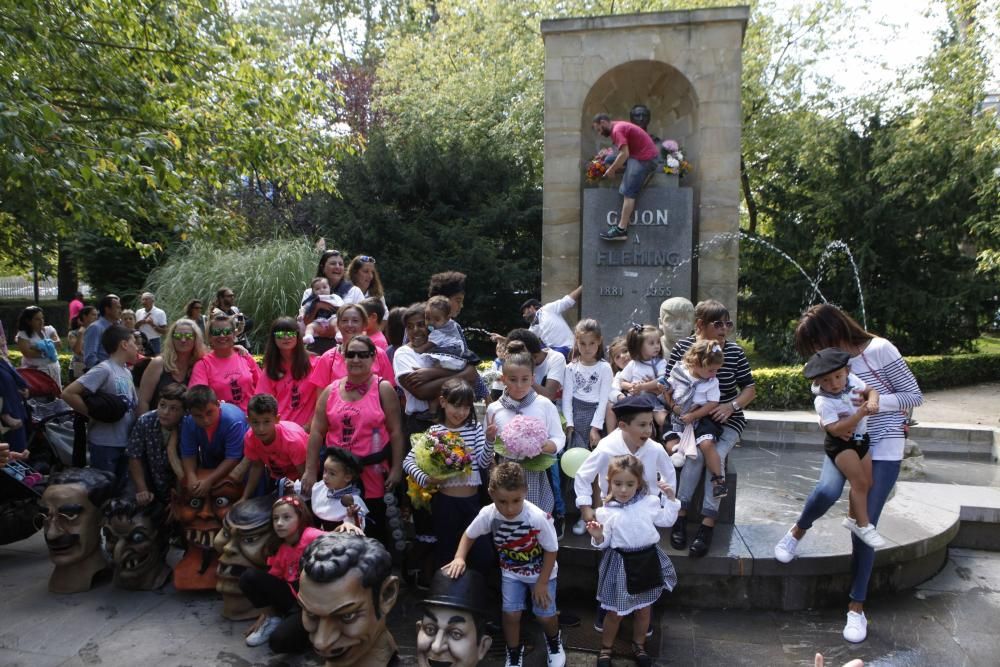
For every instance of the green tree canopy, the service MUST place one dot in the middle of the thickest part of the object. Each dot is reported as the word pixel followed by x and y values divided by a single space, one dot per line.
pixel 115 114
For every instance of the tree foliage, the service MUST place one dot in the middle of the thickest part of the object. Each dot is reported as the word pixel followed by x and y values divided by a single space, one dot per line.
pixel 115 114
pixel 421 209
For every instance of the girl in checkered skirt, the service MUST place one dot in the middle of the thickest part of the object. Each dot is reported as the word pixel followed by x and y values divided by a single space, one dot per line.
pixel 634 571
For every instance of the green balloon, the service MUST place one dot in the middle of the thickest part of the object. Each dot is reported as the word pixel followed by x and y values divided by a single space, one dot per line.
pixel 572 459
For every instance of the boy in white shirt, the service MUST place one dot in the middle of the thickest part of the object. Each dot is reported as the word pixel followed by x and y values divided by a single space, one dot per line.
pixel 633 436
pixel 526 542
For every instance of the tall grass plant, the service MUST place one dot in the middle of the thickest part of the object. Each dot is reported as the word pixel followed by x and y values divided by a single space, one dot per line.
pixel 267 277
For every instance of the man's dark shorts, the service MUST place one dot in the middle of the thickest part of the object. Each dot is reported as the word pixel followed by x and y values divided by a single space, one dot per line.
pixel 636 172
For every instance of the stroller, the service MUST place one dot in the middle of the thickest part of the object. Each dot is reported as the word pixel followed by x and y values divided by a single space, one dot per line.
pixel 22 481
pixel 50 432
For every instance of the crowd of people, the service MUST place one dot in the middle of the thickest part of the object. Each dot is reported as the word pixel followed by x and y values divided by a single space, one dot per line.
pixel 329 423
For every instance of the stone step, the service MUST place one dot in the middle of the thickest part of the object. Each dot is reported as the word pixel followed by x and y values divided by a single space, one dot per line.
pixel 800 429
pixel 920 521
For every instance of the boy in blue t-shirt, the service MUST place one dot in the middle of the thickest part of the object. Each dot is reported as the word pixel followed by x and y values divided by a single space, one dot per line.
pixel 211 438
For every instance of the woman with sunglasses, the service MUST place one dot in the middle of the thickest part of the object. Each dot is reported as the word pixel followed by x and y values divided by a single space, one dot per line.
pixel 183 345
pixel 232 374
pixel 287 366
pixel 351 321
pixel 736 386
pixel 331 267
pixel 360 413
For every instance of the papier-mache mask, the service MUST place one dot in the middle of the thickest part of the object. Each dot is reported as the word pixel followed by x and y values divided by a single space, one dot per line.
pixel 200 519
pixel 136 538
pixel 244 542
pixel 70 514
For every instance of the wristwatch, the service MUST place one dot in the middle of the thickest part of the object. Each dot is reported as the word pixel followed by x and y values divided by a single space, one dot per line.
pixel 735 406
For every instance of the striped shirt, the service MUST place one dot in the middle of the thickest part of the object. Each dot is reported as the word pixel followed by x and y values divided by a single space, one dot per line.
pixel 883 369
pixel 482 457
pixel 734 375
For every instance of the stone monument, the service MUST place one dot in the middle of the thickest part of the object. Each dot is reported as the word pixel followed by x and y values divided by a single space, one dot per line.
pixel 685 68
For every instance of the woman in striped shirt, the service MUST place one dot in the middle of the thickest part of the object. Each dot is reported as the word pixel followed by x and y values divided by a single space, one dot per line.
pixel 876 361
pixel 736 389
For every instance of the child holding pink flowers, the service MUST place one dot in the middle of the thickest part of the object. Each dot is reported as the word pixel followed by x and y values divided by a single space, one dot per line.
pixel 528 439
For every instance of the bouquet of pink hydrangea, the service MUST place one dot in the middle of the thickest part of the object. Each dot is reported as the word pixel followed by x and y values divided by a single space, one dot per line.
pixel 521 440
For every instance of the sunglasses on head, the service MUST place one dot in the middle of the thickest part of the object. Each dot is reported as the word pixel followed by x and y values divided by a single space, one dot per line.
pixel 719 324
pixel 366 259
pixel 221 332
pixel 180 335
pixel 355 354
pixel 285 334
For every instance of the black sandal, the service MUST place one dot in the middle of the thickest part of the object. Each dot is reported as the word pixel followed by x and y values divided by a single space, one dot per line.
pixel 604 658
pixel 641 657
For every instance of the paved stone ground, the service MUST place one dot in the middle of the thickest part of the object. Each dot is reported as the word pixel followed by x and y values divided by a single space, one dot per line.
pixel 949 620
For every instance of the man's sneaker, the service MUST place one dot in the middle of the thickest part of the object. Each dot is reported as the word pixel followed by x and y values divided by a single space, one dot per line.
pixel 580 527
pixel 260 636
pixel 615 233
pixel 556 654
pixel 559 522
pixel 856 629
pixel 515 656
pixel 849 523
pixel 869 535
pixel 784 550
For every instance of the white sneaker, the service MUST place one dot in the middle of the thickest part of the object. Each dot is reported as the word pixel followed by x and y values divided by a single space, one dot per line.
pixel 869 535
pixel 580 527
pixel 849 523
pixel 784 551
pixel 260 636
pixel 856 629
pixel 678 459
pixel 556 654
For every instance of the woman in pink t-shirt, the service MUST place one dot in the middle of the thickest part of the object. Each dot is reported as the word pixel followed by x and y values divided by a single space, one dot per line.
pixel 287 366
pixel 232 375
pixel 352 319
pixel 360 413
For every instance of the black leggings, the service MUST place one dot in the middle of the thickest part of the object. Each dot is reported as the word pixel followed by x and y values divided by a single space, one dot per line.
pixel 263 589
pixel 266 590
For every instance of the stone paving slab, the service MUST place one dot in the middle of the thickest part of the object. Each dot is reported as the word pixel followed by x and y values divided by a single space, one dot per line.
pixel 949 620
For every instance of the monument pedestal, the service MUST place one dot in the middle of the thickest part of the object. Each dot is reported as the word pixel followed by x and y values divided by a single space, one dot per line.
pixel 625 281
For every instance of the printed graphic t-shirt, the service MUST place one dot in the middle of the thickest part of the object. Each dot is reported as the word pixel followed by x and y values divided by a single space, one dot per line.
pixel 520 542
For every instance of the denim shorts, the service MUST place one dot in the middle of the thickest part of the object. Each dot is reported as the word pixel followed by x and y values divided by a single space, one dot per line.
pixel 636 172
pixel 516 593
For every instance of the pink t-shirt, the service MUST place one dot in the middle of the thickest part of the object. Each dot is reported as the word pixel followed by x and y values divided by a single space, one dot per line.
pixel 284 455
pixel 354 425
pixel 285 564
pixel 296 398
pixel 640 146
pixel 379 339
pixel 332 366
pixel 233 379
